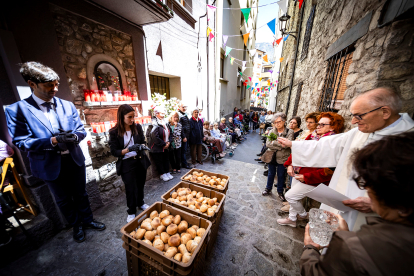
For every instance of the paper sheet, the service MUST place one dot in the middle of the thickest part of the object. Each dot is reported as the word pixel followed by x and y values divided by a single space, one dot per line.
pixel 330 197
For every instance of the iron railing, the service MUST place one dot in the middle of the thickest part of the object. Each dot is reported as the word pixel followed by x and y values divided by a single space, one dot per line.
pixel 333 78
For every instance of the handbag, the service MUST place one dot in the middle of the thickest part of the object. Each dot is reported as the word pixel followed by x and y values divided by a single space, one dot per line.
pixel 262 125
pixel 267 156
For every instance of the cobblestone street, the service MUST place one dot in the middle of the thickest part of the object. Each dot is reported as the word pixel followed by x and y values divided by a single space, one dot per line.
pixel 250 242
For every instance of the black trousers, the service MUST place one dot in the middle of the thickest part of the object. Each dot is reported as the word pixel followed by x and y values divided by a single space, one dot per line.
pixel 161 161
pixel 133 175
pixel 175 158
pixel 70 193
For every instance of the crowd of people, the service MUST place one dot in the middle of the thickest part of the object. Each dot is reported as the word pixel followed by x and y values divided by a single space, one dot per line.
pixel 370 164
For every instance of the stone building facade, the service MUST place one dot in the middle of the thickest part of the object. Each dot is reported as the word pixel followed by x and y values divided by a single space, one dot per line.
pixel 377 56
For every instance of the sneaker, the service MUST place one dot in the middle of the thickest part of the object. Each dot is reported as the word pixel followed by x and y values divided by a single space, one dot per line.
pixel 287 222
pixel 164 177
pixel 169 176
pixel 222 154
pixel 130 217
pixel 303 218
pixel 266 192
pixel 144 207
pixel 285 208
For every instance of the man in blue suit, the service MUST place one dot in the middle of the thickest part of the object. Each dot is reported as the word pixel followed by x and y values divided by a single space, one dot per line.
pixel 49 129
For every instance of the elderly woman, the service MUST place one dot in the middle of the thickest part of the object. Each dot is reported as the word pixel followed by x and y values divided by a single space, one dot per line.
pixel 276 155
pixel 311 122
pixel 385 245
pixel 177 137
pixel 268 118
pixel 215 131
pixel 262 122
pixel 161 139
pixel 223 128
pixel 196 138
pixel 306 179
pixel 230 124
pixel 294 124
pixel 211 139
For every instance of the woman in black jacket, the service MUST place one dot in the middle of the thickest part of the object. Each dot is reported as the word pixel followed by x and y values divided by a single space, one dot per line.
pixel 196 138
pixel 127 142
pixel 161 138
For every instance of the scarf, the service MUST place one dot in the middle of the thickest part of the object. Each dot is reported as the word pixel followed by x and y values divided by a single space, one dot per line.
pixel 195 119
pixel 314 136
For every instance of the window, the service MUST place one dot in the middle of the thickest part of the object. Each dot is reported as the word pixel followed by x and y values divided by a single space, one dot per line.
pixel 335 80
pixel 259 55
pixel 297 99
pixel 306 38
pixel 222 66
pixel 160 85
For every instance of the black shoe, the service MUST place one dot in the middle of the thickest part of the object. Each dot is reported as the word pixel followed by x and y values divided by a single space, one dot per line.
pixel 257 159
pixel 260 162
pixel 187 167
pixel 265 173
pixel 174 172
pixel 200 162
pixel 259 154
pixel 266 192
pixel 282 197
pixel 96 225
pixel 78 233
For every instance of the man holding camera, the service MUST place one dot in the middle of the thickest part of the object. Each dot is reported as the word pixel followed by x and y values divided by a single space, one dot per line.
pixel 49 129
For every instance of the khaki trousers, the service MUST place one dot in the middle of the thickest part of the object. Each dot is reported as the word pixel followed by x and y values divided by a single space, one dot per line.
pixel 195 151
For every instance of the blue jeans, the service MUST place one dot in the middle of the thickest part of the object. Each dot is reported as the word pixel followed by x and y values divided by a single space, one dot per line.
pixel 183 153
pixel 281 175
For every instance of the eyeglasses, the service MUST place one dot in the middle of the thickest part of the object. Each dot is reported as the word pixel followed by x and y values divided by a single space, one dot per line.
pixel 361 183
pixel 322 125
pixel 278 122
pixel 359 117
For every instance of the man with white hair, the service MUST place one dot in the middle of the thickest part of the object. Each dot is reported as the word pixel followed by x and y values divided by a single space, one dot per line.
pixel 376 112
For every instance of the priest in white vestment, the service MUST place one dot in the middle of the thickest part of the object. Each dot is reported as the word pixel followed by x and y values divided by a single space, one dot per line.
pixel 376 113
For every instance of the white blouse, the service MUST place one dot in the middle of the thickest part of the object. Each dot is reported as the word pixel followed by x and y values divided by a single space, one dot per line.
pixel 128 138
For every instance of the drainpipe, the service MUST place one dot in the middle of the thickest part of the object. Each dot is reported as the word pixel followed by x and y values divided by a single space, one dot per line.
pixel 296 57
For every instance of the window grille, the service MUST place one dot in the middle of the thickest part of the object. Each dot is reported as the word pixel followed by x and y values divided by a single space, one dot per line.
pixel 306 38
pixel 160 85
pixel 222 66
pixel 297 100
pixel 335 80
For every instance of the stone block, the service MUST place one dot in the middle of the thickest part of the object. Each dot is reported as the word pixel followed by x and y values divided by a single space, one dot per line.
pixel 74 46
pixel 350 79
pixel 128 50
pixel 395 71
pixel 407 89
pixel 86 27
pixel 63 28
pixel 358 52
pixel 369 44
pixel 397 55
pixel 106 43
pixel 117 39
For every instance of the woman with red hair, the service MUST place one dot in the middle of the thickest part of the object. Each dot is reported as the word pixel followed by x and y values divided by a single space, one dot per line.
pixel 306 179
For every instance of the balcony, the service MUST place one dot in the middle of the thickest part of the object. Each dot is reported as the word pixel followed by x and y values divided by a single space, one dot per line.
pixel 140 12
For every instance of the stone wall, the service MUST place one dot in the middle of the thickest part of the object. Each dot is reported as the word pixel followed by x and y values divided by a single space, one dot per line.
pixel 382 56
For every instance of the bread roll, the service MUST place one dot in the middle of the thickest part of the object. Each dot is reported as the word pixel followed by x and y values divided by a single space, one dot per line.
pixel 164 213
pixel 183 226
pixel 178 257
pixel 140 233
pixel 177 219
pixel 192 232
pixel 160 229
pixel 182 249
pixel 155 222
pixel 171 251
pixel 149 235
pixel 200 232
pixel 174 195
pixel 146 225
pixel 166 221
pixel 153 214
pixel 185 238
pixel 158 244
pixel 186 258
pixel 148 242
pixel 172 229
pixel 174 241
pixel 164 237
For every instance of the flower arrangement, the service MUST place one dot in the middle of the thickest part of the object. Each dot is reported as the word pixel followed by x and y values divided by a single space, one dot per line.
pixel 161 100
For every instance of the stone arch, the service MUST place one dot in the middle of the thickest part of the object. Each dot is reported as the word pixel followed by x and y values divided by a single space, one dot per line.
pixel 90 66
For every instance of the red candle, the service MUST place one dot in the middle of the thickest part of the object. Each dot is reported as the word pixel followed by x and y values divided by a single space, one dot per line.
pixel 102 126
pixel 93 125
pixel 87 95
pixel 93 97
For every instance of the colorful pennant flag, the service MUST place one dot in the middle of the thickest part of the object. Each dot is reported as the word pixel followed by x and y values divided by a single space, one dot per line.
pixel 278 40
pixel 300 3
pixel 256 84
pixel 248 86
pixel 265 58
pixel 281 59
pixel 272 62
pixel 208 30
pixel 271 71
pixel 159 50
pixel 211 36
pixel 228 50
pixel 225 37
pixel 246 13
pixel 286 37
pixel 283 5
pixel 231 60
pixel 246 37
pixel 272 25
pixel 250 79
pixel 260 79
pixel 252 52
pixel 241 74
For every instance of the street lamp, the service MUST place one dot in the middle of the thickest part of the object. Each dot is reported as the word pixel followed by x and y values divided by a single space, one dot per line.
pixel 284 25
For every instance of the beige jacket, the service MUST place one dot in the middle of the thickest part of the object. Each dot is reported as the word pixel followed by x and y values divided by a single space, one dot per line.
pixel 282 153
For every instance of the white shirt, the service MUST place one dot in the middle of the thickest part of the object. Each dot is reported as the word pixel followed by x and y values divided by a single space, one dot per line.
pixel 128 138
pixel 39 102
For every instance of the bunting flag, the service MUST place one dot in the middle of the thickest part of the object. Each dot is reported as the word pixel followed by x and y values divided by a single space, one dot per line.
pixel 278 40
pixel 260 79
pixel 252 52
pixel 272 25
pixel 300 3
pixel 208 30
pixel 271 71
pixel 250 79
pixel 277 81
pixel 286 38
pixel 283 5
pixel 281 59
pixel 246 13
pixel 243 65
pixel 241 74
pixel 272 63
pixel 246 37
pixel 256 84
pixel 210 11
pixel 248 86
pixel 225 37
pixel 268 82
pixel 231 60
pixel 211 36
pixel 265 58
pixel 159 51
pixel 228 50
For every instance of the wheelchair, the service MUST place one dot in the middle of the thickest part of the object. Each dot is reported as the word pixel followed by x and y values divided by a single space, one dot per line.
pixel 209 150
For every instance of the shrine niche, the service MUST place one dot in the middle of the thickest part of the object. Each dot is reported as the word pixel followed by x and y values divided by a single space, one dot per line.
pixel 107 76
